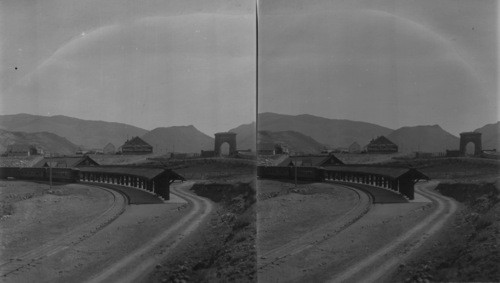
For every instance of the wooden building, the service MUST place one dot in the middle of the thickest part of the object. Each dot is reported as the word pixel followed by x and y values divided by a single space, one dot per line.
pixel 312 160
pixel 136 146
pixel 109 149
pixel 66 162
pixel 381 145
pixel 266 149
pixel 23 150
pixel 354 148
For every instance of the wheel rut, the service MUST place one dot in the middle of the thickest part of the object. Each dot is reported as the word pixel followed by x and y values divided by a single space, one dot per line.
pixel 15 264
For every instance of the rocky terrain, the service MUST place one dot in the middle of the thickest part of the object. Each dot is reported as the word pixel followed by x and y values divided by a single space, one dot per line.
pixel 467 251
pixel 225 250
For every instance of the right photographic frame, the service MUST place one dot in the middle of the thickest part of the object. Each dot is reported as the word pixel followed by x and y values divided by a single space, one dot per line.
pixel 377 138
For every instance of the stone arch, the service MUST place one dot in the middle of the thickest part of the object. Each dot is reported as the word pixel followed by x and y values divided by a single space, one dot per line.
pixel 221 138
pixel 474 138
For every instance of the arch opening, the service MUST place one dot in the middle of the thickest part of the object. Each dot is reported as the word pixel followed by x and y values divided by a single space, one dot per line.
pixel 223 138
pixel 225 149
pixel 470 148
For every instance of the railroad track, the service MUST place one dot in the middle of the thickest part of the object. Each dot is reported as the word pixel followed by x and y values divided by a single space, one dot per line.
pixel 8 267
pixel 141 261
pixel 374 267
pixel 316 236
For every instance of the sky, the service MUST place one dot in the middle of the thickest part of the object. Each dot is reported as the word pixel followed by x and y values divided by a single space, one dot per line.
pixel 390 62
pixel 148 63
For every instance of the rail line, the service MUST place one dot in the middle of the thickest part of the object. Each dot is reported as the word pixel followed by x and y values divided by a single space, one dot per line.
pixel 137 264
pixel 381 262
pixel 321 234
pixel 18 262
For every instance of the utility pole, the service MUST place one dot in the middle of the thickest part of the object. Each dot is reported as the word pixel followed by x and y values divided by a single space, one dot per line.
pixel 295 175
pixel 51 164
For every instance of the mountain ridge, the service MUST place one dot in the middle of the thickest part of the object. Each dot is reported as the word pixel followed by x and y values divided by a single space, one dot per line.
pixel 49 142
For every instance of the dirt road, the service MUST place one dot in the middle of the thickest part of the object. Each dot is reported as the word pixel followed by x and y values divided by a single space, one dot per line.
pixel 378 265
pixel 309 239
pixel 369 249
pixel 135 266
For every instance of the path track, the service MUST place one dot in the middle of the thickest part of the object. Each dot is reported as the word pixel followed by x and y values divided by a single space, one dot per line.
pixel 136 265
pixel 380 263
pixel 18 262
pixel 321 234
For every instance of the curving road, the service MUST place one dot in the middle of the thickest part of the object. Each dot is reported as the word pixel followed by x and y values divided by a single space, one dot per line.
pixel 367 249
pixel 374 267
pixel 139 263
pixel 316 236
pixel 17 263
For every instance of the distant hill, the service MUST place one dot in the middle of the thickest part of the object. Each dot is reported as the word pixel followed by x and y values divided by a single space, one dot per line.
pixel 296 142
pixel 185 139
pixel 424 139
pixel 245 136
pixel 490 136
pixel 89 134
pixel 47 141
pixel 332 132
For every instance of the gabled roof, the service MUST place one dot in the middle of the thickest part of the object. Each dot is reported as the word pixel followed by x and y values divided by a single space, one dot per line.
pixel 136 141
pixel 109 145
pixel 146 172
pixel 65 161
pixel 392 172
pixel 354 144
pixel 381 140
pixel 265 146
pixel 311 160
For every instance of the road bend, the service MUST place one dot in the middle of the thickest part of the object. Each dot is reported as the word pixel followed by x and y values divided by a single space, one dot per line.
pixel 374 267
pixel 140 262
pixel 61 243
pixel 316 236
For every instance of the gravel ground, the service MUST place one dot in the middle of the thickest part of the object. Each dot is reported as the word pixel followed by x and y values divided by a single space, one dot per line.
pixel 285 215
pixel 38 214
pixel 292 214
pixel 467 250
pixel 137 224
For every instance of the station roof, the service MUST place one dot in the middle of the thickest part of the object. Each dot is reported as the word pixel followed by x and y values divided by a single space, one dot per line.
pixel 145 172
pixel 381 140
pixel 392 172
pixel 311 160
pixel 66 161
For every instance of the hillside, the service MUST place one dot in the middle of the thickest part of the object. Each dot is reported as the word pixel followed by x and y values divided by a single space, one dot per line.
pixel 89 134
pixel 296 142
pixel 424 139
pixel 332 132
pixel 245 136
pixel 49 142
pixel 490 136
pixel 186 139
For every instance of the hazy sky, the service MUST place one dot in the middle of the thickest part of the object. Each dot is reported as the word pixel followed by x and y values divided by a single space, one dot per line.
pixel 395 63
pixel 146 63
